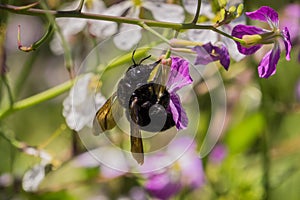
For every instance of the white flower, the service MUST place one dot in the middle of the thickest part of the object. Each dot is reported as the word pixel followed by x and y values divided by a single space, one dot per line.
pixel 111 161
pixel 206 36
pixel 33 177
pixel 125 41
pixel 80 107
pixel 103 29
pixel 72 26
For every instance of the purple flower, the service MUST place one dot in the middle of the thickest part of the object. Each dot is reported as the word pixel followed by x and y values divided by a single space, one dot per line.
pixel 218 153
pixel 291 19
pixel 179 77
pixel 186 172
pixel 137 193
pixel 255 37
pixel 209 53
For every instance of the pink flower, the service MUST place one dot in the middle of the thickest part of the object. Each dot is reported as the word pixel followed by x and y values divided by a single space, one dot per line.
pixel 178 78
pixel 254 37
pixel 186 172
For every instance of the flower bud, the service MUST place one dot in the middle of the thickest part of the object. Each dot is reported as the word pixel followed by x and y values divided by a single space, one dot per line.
pixel 252 39
pixel 240 10
pixel 232 9
pixel 222 3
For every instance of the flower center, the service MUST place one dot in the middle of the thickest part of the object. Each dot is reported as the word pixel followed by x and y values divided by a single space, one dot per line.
pixel 89 4
pixel 94 84
pixel 137 2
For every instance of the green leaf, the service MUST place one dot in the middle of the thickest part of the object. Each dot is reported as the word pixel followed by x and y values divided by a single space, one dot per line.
pixel 52 196
pixel 241 136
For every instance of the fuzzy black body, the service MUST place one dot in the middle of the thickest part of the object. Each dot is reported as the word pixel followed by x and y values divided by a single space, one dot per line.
pixel 136 76
pixel 151 108
pixel 145 103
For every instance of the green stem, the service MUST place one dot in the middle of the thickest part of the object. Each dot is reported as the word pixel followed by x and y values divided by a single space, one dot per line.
pixel 227 35
pixel 143 25
pixel 10 95
pixel 15 143
pixel 38 98
pixel 184 43
pixel 266 165
pixel 25 71
pixel 80 6
pixel 197 12
pixel 183 50
pixel 26 7
pixel 76 14
pixel 56 133
pixel 67 54
pixel 36 44
pixel 168 53
pixel 126 58
pixel 136 21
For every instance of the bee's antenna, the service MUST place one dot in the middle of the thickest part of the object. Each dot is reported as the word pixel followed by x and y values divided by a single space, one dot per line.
pixel 144 59
pixel 132 57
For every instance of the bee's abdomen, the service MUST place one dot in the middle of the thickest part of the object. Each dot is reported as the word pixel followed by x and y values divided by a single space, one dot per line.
pixel 152 115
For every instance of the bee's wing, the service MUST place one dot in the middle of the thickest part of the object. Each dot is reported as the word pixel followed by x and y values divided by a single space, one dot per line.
pixel 136 140
pixel 107 115
pixel 136 143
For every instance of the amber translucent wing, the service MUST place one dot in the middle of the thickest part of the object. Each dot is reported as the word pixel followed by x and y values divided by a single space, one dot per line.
pixel 107 115
pixel 136 140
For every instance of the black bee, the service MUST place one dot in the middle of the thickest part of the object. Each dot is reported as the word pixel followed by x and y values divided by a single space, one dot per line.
pixel 146 105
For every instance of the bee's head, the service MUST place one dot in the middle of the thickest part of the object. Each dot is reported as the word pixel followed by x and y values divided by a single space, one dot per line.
pixel 137 64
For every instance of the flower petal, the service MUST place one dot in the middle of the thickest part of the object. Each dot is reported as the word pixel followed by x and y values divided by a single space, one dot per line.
pixel 128 37
pixel 118 9
pixel 208 53
pixel 190 6
pixel 232 49
pixel 179 115
pixel 239 31
pixel 223 55
pixel 267 66
pixel 290 18
pixel 206 9
pixel 102 29
pixel 161 186
pixel 80 107
pixel 191 174
pixel 165 12
pixel 93 7
pixel 71 26
pixel 33 177
pixel 203 36
pixel 218 153
pixel 265 14
pixel 179 75
pixel 105 29
pixel 192 170
pixel 287 43
pixel 229 43
pixel 203 54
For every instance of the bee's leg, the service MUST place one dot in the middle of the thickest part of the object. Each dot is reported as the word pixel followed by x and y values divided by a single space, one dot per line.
pixel 136 140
